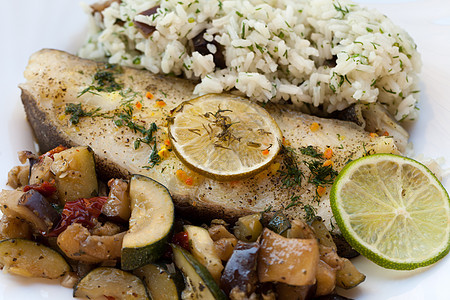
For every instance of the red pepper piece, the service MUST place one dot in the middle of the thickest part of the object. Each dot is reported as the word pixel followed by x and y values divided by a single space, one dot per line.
pixel 45 188
pixel 181 239
pixel 50 153
pixel 82 211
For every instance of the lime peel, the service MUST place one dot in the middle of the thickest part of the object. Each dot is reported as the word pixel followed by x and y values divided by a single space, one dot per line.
pixel 393 210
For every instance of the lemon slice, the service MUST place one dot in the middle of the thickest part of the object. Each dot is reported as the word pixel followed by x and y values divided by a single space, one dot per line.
pixel 392 210
pixel 224 137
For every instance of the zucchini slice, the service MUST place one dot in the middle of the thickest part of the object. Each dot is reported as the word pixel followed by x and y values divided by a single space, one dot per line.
pixel 200 283
pixel 162 283
pixel 203 249
pixel 111 282
pixel 31 259
pixel 152 217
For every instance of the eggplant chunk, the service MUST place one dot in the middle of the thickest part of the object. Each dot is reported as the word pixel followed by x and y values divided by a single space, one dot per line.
pixel 218 232
pixel 47 216
pixel 78 244
pixel 204 47
pixel 31 207
pixel 330 256
pixel 322 234
pixel 18 176
pixel 118 205
pixel 145 29
pixel 248 228
pixel 75 176
pixel 343 247
pixel 348 276
pixel 291 292
pixel 14 228
pixel 326 279
pixel 300 230
pixel 240 270
pixel 40 171
pixel 224 247
pixel 224 241
pixel 30 259
pixel 291 261
pixel 110 282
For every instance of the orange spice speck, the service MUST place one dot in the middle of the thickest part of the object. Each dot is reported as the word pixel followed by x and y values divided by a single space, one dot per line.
pixel 373 134
pixel 314 126
pixel 328 163
pixel 321 190
pixel 265 152
pixel 386 133
pixel 160 103
pixel 181 175
pixel 167 143
pixel 285 142
pixel 138 105
pixel 149 95
pixel 328 153
pixel 164 153
pixel 189 181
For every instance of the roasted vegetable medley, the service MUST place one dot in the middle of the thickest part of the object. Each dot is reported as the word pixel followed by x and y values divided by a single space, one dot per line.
pixel 121 240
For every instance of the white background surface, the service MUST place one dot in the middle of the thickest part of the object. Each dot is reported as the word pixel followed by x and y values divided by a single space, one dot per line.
pixel 29 25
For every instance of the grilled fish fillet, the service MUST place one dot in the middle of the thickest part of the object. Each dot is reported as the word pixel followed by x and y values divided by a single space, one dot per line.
pixel 55 78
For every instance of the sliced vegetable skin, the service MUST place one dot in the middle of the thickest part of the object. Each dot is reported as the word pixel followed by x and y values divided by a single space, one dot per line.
pixel 197 278
pixel 110 282
pixel 161 283
pixel 31 259
pixel 151 222
pixel 203 249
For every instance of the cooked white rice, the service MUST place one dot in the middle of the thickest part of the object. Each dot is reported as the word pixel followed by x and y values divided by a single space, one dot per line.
pixel 319 54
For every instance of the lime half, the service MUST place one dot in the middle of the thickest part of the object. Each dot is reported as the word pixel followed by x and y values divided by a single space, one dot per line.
pixel 224 137
pixel 393 210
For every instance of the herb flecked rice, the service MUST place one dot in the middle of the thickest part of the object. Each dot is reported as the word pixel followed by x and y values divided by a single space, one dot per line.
pixel 317 55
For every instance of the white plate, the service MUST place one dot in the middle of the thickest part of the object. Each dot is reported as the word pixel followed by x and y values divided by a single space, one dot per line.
pixel 29 25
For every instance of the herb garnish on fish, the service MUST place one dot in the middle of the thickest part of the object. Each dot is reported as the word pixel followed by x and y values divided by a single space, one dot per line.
pixel 104 80
pixel 76 112
pixel 291 175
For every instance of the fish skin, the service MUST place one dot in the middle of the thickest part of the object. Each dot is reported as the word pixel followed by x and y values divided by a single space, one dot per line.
pixel 55 78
